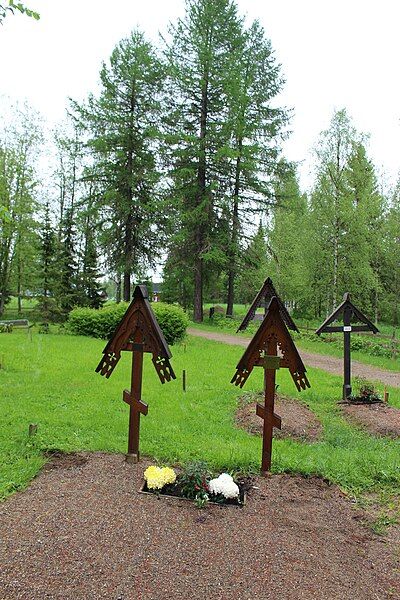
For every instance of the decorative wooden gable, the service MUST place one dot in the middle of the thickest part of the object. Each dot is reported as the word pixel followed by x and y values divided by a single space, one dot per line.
pixel 138 327
pixel 353 316
pixel 353 321
pixel 273 329
pixel 264 297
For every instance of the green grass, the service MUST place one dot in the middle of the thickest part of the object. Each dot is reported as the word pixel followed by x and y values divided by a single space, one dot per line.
pixel 317 345
pixel 320 347
pixel 51 381
pixel 239 310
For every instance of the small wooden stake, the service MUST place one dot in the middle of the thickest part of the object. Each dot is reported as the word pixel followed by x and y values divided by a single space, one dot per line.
pixel 184 380
pixel 385 395
pixel 32 429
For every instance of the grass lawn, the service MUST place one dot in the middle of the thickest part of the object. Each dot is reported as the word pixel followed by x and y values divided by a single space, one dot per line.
pixel 315 345
pixel 391 364
pixel 51 381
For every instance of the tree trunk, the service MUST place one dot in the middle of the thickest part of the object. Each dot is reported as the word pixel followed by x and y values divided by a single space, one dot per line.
pixel 127 286
pixel 19 299
pixel 234 238
pixel 118 289
pixel 198 290
pixel 200 228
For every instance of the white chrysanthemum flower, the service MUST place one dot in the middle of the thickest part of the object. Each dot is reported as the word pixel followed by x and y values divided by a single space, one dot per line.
pixel 224 485
pixel 225 477
pixel 230 490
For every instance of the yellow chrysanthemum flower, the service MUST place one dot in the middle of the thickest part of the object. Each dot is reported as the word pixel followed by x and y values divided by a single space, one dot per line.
pixel 151 472
pixel 169 475
pixel 156 478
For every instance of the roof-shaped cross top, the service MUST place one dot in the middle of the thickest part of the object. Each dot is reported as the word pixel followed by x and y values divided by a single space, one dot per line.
pixel 271 348
pixel 272 328
pixel 138 329
pixel 353 321
pixel 353 316
pixel 263 298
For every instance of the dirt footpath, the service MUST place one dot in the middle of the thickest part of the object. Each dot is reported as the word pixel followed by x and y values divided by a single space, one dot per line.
pixel 331 364
pixel 83 532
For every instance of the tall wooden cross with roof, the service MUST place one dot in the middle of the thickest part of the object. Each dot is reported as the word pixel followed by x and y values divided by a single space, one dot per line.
pixel 271 348
pixel 353 321
pixel 263 298
pixel 137 332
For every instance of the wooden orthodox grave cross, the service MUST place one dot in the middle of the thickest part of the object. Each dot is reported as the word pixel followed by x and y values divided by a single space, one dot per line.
pixel 137 332
pixel 264 296
pixel 351 315
pixel 271 337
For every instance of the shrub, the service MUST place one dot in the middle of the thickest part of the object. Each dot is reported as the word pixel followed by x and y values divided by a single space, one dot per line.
pixel 102 322
pixel 172 320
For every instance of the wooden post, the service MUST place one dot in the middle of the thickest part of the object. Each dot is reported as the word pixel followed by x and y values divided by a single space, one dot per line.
pixel 184 380
pixel 346 357
pixel 270 419
pixel 32 429
pixel 135 403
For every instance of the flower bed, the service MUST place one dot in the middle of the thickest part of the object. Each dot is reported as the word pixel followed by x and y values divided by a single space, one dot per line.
pixel 195 483
pixel 365 393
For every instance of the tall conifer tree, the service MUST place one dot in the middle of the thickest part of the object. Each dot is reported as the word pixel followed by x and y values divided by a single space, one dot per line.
pixel 199 59
pixel 121 125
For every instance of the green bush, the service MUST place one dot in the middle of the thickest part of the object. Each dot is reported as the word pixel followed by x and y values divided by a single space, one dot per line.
pixel 172 320
pixel 368 345
pixel 101 323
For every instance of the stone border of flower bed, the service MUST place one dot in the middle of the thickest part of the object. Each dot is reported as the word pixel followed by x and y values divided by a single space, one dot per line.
pixel 241 503
pixel 195 482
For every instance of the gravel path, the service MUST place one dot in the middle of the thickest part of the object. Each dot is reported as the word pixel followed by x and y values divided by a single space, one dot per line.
pixel 321 361
pixel 83 532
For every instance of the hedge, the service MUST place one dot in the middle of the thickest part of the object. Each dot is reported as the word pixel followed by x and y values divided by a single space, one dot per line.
pixel 101 323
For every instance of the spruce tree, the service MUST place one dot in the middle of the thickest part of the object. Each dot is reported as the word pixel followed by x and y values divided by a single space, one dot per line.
pixel 199 59
pixel 68 290
pixel 255 129
pixel 47 267
pixel 121 126
pixel 93 291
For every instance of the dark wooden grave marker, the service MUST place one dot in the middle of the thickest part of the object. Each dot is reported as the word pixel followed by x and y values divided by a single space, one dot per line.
pixel 272 337
pixel 350 315
pixel 137 332
pixel 264 297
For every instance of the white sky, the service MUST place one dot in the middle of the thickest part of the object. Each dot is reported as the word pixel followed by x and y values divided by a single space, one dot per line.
pixel 334 54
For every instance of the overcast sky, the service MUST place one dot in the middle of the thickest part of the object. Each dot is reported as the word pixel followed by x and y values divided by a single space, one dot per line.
pixel 334 54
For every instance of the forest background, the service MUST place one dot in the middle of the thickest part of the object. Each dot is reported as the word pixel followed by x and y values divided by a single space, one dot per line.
pixel 177 159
